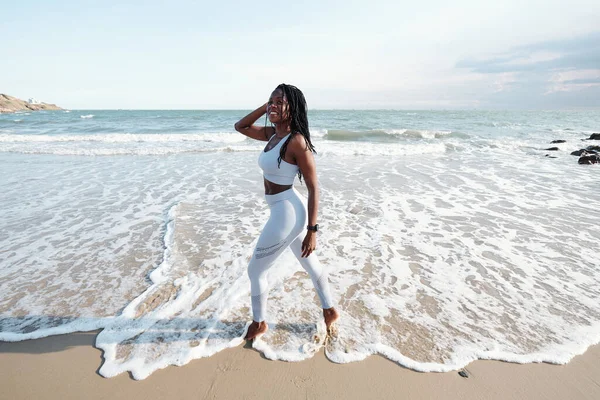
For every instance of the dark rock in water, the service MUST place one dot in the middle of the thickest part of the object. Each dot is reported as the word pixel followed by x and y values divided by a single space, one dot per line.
pixel 463 373
pixel 552 149
pixel 558 141
pixel 594 136
pixel 589 159
pixel 549 156
pixel 587 151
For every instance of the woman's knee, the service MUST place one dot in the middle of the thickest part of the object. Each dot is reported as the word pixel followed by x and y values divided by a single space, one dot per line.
pixel 253 269
pixel 257 268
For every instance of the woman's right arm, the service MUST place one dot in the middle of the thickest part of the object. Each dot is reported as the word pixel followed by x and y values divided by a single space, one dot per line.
pixel 245 127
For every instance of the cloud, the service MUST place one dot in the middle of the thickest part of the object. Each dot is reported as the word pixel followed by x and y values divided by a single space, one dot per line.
pixel 575 44
pixel 557 73
pixel 574 80
pixel 573 53
pixel 590 81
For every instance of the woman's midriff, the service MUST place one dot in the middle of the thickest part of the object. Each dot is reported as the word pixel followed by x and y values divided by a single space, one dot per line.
pixel 274 188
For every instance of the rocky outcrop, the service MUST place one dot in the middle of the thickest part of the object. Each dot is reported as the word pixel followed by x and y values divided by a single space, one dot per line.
pixel 589 159
pixel 587 150
pixel 9 104
pixel 589 155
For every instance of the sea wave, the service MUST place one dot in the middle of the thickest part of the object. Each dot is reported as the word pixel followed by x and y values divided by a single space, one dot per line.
pixel 388 135
pixel 370 149
pixel 161 144
pixel 126 138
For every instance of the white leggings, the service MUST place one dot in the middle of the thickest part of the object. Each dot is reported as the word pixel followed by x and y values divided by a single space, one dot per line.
pixel 284 229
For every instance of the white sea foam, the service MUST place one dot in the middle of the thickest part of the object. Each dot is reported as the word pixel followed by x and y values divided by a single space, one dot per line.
pixel 484 253
pixel 374 149
pixel 126 138
pixel 156 151
pixel 86 116
pixel 162 144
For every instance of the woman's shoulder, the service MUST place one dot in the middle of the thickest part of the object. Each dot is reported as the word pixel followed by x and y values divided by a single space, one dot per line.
pixel 298 141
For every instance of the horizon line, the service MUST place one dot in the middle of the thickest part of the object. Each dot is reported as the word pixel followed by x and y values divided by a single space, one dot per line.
pixel 590 108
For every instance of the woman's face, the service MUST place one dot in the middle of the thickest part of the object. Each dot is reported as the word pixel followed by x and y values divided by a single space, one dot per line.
pixel 278 107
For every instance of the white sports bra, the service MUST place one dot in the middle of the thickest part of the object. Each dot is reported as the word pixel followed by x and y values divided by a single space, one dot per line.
pixel 283 174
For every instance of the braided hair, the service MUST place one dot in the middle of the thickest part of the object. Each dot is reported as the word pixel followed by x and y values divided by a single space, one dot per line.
pixel 299 119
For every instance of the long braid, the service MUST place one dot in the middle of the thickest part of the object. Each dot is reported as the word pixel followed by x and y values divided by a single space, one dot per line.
pixel 299 120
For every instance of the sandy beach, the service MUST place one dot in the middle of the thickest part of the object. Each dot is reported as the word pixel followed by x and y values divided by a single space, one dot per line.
pixel 65 367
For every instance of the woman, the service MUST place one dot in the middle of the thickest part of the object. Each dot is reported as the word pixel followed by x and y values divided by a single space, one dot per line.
pixel 289 152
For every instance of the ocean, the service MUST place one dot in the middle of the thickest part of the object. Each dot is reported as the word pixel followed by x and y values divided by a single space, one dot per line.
pixel 449 236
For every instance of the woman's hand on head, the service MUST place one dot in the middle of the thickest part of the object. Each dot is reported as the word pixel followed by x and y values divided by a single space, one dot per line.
pixel 246 125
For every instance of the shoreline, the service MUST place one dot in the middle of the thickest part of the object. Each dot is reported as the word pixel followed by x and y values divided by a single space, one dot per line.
pixel 66 366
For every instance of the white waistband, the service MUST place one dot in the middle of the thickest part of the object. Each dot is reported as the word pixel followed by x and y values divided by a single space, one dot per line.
pixel 286 194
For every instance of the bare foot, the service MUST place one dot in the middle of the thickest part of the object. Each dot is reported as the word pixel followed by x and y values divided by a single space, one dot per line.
pixel 256 329
pixel 330 316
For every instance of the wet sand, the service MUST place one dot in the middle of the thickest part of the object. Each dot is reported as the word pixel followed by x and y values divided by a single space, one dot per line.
pixel 65 367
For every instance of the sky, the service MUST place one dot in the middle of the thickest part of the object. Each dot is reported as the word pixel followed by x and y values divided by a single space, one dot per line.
pixel 368 54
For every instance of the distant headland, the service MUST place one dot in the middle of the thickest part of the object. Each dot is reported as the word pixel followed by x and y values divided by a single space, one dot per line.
pixel 9 104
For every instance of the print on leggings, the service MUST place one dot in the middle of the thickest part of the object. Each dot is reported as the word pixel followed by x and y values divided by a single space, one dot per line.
pixel 262 252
